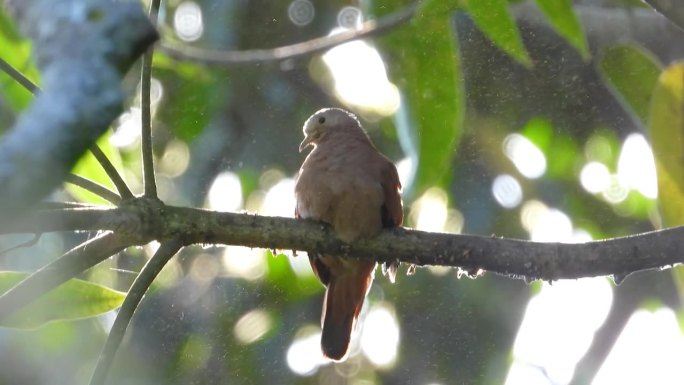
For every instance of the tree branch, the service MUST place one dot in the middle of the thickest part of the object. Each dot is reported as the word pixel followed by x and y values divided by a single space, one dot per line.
pixel 142 282
pixel 221 57
pixel 94 188
pixel 73 110
pixel 151 219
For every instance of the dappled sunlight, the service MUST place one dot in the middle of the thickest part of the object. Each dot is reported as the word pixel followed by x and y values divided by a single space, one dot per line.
pixel 127 128
pixel 525 155
pixel 243 262
pixel 252 326
pixel 280 200
pixel 187 21
pixel 301 12
pixel 615 192
pixel 552 337
pixel 360 77
pixel 636 168
pixel 225 194
pixel 405 171
pixel 429 212
pixel 595 177
pixel 649 350
pixel 204 268
pixel 175 160
pixel 380 335
pixel 546 224
pixel 507 191
pixel 304 354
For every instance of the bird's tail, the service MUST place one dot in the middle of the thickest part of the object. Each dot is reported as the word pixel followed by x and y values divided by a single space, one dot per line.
pixel 343 301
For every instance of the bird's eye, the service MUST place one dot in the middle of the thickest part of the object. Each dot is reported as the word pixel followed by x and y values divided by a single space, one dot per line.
pixel 321 120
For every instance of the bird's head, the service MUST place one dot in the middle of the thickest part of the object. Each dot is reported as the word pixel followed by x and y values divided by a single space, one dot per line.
pixel 325 121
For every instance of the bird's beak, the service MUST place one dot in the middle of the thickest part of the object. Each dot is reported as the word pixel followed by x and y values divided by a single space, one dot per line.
pixel 305 143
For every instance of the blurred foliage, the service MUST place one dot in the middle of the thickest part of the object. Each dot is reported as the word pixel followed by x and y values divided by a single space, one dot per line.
pixel 632 72
pixel 493 17
pixel 470 74
pixel 425 65
pixel 665 124
pixel 74 299
pixel 561 15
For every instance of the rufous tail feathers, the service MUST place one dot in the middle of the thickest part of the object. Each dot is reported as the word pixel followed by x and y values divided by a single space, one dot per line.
pixel 343 301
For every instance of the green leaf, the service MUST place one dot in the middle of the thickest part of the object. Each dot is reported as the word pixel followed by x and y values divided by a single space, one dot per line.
pixel 74 299
pixel 666 126
pixel 561 16
pixel 423 61
pixel 632 73
pixel 89 168
pixel 493 18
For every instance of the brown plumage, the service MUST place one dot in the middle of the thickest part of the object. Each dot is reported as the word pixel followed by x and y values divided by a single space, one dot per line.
pixel 347 183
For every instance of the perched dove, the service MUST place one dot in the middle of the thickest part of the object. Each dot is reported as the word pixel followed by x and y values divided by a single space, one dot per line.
pixel 347 183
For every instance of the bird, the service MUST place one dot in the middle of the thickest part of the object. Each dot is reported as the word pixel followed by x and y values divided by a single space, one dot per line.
pixel 347 183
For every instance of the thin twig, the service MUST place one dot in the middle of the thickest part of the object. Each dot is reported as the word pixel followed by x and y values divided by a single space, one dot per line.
pixel 95 188
pixel 138 289
pixel 18 77
pixel 29 243
pixel 114 175
pixel 222 57
pixel 145 89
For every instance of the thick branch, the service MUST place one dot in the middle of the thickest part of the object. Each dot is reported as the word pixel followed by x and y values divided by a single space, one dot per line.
pixel 151 219
pixel 70 38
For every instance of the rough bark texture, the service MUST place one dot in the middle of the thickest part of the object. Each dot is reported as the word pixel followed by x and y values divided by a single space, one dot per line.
pixel 146 219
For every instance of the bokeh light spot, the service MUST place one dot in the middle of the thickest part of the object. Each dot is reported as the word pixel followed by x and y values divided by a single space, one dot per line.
pixel 648 351
pixel 225 194
pixel 636 168
pixel 243 262
pixel 175 160
pixel 525 155
pixel 187 21
pixel 380 336
pixel 304 355
pixel 280 200
pixel 350 17
pixel 507 191
pixel 252 326
pixel 127 129
pixel 429 212
pixel 550 322
pixel 360 77
pixel 595 177
pixel 301 12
